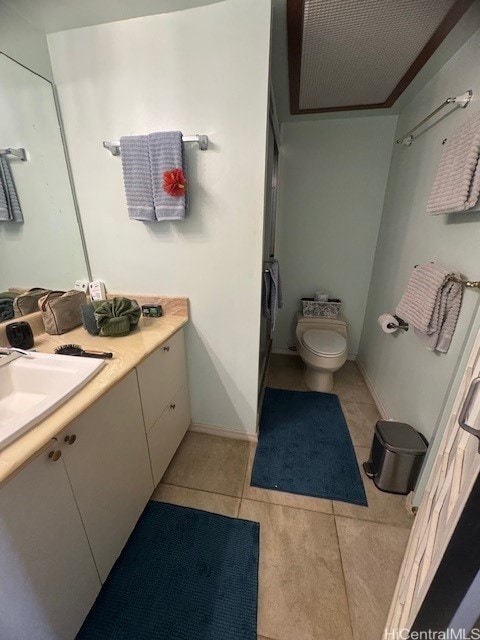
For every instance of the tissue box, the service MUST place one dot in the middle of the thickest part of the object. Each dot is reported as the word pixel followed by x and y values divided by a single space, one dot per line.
pixel 314 309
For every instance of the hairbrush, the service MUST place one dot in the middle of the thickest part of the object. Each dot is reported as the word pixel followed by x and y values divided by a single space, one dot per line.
pixel 76 350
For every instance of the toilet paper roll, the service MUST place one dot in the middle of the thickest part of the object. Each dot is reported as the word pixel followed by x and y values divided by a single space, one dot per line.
pixel 386 319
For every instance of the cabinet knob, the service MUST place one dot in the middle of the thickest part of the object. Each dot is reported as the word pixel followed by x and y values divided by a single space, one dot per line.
pixel 167 348
pixel 70 439
pixel 55 455
pixel 173 405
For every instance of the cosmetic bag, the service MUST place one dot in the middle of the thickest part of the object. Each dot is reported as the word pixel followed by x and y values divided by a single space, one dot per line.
pixel 27 302
pixel 61 310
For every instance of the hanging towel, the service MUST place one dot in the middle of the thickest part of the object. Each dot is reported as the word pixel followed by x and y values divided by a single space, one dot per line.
pixel 431 304
pixel 137 177
pixel 10 210
pixel 272 297
pixel 457 182
pixel 166 156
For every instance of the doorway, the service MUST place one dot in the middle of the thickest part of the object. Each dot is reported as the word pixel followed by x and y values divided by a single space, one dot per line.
pixel 269 234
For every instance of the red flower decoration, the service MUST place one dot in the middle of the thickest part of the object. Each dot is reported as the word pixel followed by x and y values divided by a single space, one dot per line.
pixel 174 182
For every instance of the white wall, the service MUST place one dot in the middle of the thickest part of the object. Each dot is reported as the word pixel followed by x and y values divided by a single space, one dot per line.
pixel 333 176
pixel 411 381
pixel 20 40
pixel 46 250
pixel 203 70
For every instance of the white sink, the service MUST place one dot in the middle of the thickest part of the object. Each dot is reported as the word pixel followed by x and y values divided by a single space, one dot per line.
pixel 33 387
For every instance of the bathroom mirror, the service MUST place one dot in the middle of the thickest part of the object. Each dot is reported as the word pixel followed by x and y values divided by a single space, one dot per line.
pixel 46 249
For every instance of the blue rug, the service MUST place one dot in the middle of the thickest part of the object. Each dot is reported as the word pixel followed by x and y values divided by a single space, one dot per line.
pixel 304 447
pixel 183 574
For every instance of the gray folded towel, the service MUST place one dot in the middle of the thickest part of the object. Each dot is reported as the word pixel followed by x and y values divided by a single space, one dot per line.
pixel 457 182
pixel 166 154
pixel 137 177
pixel 431 304
pixel 272 296
pixel 10 210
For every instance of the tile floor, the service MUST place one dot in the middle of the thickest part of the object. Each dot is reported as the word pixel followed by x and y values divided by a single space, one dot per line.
pixel 327 569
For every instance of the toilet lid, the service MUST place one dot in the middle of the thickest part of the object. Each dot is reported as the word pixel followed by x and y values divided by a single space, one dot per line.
pixel 324 342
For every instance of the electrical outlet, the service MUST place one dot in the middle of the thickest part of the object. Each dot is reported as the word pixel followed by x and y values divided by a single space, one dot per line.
pixel 81 285
pixel 97 290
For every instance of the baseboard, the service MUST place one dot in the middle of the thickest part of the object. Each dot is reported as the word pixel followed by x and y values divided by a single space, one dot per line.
pixel 235 434
pixel 291 352
pixel 284 352
pixel 371 387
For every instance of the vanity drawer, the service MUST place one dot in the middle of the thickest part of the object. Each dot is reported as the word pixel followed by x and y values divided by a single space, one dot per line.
pixel 167 433
pixel 160 376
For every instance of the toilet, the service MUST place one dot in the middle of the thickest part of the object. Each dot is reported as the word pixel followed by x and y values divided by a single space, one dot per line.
pixel 322 345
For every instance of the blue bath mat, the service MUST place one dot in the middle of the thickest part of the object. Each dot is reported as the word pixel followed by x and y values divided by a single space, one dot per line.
pixel 183 574
pixel 304 447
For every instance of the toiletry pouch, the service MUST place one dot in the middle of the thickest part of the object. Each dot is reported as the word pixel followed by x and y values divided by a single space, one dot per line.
pixel 27 302
pixel 61 310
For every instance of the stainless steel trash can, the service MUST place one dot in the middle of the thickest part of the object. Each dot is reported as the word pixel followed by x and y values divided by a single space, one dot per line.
pixel 396 457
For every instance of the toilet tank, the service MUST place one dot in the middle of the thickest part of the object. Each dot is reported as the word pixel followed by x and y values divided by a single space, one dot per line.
pixel 303 324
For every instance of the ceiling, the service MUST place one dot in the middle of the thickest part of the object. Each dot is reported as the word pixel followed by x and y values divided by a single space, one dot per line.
pixel 59 15
pixel 49 16
pixel 361 54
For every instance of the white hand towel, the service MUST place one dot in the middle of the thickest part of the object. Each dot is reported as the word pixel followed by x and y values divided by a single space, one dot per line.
pixel 457 182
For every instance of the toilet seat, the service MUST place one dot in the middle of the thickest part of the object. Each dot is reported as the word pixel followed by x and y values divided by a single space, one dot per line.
pixel 323 342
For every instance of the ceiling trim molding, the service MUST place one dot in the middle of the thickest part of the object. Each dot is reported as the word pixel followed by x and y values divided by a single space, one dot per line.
pixel 295 17
pixel 295 11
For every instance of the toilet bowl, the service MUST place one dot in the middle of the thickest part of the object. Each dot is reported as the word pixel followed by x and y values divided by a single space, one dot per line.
pixel 322 345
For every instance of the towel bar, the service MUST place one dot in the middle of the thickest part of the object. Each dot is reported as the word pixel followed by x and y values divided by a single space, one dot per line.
pixel 463 101
pixel 470 284
pixel 201 140
pixel 18 153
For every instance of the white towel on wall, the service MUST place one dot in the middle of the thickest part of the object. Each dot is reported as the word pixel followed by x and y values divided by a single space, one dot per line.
pixel 456 186
pixel 431 304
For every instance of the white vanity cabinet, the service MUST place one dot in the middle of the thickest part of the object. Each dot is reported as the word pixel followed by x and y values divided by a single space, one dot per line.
pixel 106 457
pixel 65 519
pixel 48 579
pixel 163 384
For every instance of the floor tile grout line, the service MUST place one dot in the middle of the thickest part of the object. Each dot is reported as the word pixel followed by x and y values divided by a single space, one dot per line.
pixel 388 524
pixel 289 506
pixel 298 508
pixel 349 607
pixel 216 493
pixel 243 485
pixel 356 402
pixel 284 506
pixel 246 471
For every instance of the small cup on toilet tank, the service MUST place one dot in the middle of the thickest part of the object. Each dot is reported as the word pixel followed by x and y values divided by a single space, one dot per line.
pixel 321 296
pixel 388 323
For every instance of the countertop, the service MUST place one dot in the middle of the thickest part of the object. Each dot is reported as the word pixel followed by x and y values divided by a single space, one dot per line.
pixel 128 352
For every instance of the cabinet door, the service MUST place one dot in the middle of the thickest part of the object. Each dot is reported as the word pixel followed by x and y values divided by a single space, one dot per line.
pixel 167 433
pixel 106 456
pixel 48 579
pixel 160 376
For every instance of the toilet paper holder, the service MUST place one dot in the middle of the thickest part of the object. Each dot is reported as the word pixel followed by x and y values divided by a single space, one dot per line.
pixel 402 324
